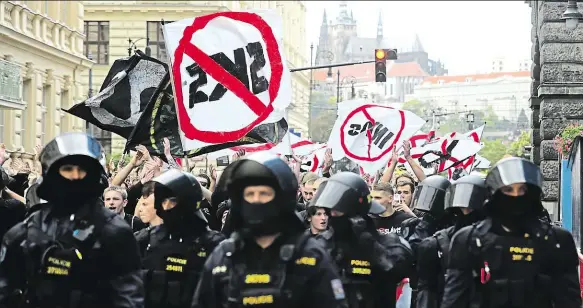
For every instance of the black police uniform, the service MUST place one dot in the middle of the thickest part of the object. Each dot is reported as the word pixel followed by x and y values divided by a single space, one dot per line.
pixel 72 251
pixel 371 265
pixel 428 201
pixel 134 221
pixel 294 271
pixel 468 192
pixel 512 259
pixel 175 251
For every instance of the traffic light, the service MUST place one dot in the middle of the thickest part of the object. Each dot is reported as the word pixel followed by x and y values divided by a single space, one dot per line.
pixel 380 65
pixel 381 57
pixel 391 54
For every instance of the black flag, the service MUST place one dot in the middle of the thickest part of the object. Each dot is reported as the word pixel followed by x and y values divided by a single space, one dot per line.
pixel 159 121
pixel 125 93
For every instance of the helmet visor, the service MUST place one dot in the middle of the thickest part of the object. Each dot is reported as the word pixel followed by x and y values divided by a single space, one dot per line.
pixel 333 195
pixel 513 171
pixel 464 195
pixel 425 197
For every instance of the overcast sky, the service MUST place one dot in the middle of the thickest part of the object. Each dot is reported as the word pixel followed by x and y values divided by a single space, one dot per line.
pixel 465 35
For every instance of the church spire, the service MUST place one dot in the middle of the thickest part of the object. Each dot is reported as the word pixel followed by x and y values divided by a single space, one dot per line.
pixel 322 41
pixel 380 28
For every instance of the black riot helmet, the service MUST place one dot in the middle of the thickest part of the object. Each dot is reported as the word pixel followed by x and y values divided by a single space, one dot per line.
pixel 77 149
pixel 467 192
pixel 348 193
pixel 429 195
pixel 183 189
pixel 262 169
pixel 514 170
pixel 510 209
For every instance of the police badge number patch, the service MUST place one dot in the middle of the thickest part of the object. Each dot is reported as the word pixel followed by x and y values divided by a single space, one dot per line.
pixel 337 289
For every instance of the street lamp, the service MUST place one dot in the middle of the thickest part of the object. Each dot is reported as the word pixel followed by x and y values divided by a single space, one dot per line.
pixel 132 45
pixel 470 120
pixel 329 78
pixel 571 15
pixel 352 81
pixel 337 86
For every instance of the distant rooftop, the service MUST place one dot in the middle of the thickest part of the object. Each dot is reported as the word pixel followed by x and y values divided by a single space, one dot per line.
pixel 475 77
pixel 365 72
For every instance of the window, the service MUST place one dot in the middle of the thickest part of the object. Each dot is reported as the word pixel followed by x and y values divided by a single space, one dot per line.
pixel 43 117
pixel 26 90
pixel 156 40
pixel 97 41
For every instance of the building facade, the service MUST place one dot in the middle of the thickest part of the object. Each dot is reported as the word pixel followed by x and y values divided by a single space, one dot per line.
pixel 41 66
pixel 500 64
pixel 506 92
pixel 338 42
pixel 556 93
pixel 401 80
pixel 114 27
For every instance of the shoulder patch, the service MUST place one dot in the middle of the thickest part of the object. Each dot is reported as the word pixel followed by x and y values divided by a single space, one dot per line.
pixel 337 289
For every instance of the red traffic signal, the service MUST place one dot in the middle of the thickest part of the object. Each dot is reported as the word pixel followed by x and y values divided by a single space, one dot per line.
pixel 380 65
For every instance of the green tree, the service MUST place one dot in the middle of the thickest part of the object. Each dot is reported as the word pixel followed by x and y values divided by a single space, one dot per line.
pixel 322 126
pixel 323 113
pixel 416 107
pixel 493 150
pixel 517 147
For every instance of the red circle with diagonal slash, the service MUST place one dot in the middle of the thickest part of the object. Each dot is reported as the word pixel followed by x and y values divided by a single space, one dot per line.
pixel 209 66
pixel 363 109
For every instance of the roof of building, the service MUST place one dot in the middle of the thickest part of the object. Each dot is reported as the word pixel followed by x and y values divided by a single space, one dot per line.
pixel 356 44
pixel 366 73
pixel 475 77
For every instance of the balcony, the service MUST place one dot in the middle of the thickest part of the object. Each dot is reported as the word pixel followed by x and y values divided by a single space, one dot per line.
pixel 40 27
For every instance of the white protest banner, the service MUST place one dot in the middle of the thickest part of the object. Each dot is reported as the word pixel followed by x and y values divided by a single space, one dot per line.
pixel 446 152
pixel 481 162
pixel 229 75
pixel 368 133
pixel 299 146
pixel 292 144
pixel 473 135
pixel 314 161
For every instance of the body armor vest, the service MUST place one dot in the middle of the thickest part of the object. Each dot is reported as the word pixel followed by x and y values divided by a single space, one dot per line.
pixel 172 270
pixel 267 288
pixel 510 270
pixel 356 273
pixel 443 241
pixel 63 272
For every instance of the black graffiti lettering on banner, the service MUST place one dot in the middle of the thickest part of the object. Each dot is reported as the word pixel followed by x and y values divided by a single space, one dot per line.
pixel 380 136
pixel 238 69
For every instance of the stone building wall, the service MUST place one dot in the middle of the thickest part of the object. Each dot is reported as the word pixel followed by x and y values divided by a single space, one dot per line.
pixel 557 87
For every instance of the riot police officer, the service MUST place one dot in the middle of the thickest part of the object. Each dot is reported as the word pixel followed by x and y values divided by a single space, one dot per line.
pixel 464 199
pixel 72 251
pixel 268 259
pixel 370 264
pixel 429 201
pixel 518 260
pixel 176 250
